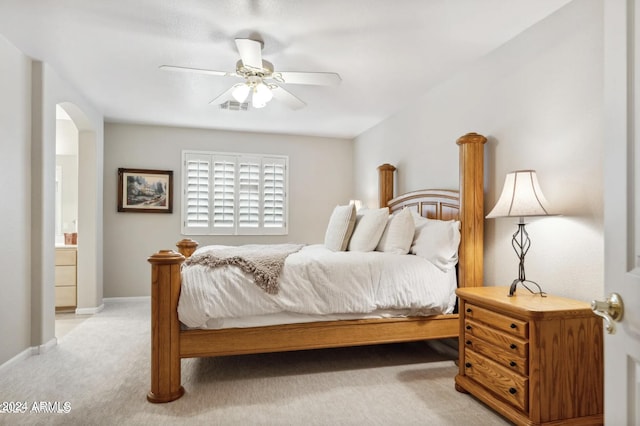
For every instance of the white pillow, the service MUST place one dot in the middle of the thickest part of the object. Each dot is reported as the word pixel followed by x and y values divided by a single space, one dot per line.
pixel 437 241
pixel 340 228
pixel 369 228
pixel 398 234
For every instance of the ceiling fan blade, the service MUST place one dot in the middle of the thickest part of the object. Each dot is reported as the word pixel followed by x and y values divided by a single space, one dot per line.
pixel 224 97
pixel 197 70
pixel 315 78
pixel 250 52
pixel 287 97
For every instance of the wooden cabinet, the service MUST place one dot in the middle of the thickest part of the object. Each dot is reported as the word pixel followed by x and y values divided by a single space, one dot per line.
pixel 535 360
pixel 66 277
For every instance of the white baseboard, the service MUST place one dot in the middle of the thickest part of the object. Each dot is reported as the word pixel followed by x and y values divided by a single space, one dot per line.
pixel 21 356
pixel 46 347
pixel 128 299
pixel 29 352
pixel 89 311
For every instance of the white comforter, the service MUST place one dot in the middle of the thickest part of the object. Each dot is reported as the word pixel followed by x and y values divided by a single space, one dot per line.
pixel 318 281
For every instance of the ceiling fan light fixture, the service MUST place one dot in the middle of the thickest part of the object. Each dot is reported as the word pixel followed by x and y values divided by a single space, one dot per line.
pixel 241 92
pixel 262 94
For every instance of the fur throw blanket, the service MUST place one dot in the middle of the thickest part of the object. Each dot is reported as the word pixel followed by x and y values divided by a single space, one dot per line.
pixel 264 262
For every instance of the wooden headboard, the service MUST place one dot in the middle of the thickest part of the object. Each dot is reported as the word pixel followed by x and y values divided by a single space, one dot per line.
pixel 439 204
pixel 465 205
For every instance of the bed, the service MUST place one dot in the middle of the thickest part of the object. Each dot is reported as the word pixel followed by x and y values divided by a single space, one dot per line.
pixel 170 342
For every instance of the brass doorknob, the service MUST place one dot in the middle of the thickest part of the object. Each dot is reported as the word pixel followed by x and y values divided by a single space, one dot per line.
pixel 610 310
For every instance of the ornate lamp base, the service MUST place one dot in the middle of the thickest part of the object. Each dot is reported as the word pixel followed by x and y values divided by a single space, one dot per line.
pixel 521 244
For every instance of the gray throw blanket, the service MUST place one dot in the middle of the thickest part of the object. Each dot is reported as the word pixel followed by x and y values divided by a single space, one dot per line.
pixel 264 262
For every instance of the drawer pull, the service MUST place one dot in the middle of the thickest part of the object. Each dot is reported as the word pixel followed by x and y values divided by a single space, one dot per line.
pixel 512 391
pixel 468 365
pixel 469 342
pixel 468 309
pixel 468 327
pixel 513 363
pixel 513 346
pixel 513 325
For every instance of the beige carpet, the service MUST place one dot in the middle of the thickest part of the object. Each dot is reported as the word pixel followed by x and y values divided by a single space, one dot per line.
pixel 101 369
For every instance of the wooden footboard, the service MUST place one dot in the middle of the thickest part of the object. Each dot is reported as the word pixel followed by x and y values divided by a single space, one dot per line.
pixel 169 343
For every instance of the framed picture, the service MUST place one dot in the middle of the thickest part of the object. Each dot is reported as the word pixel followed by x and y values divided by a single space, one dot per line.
pixel 147 191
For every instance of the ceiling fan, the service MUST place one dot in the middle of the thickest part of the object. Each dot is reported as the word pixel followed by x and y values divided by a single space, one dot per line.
pixel 261 81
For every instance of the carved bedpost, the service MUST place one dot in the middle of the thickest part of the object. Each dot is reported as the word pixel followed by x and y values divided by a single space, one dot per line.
pixel 385 180
pixel 471 253
pixel 165 326
pixel 186 247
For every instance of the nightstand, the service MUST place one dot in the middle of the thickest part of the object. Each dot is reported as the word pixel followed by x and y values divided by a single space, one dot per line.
pixel 535 360
pixel 66 278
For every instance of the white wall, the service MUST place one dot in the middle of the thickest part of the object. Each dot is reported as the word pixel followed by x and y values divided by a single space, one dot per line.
pixel 539 100
pixel 67 160
pixel 15 208
pixel 69 188
pixel 69 166
pixel 66 137
pixel 320 177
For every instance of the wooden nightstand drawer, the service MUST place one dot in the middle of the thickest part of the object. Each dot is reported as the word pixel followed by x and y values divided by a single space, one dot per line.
pixel 498 321
pixel 510 386
pixel 502 340
pixel 506 358
pixel 66 296
pixel 65 257
pixel 65 275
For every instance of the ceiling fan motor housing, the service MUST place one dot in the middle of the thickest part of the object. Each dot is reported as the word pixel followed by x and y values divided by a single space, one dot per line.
pixel 265 72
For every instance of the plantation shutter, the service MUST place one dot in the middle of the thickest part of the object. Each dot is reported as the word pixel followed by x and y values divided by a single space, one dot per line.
pixel 249 192
pixel 224 188
pixel 197 191
pixel 234 194
pixel 274 192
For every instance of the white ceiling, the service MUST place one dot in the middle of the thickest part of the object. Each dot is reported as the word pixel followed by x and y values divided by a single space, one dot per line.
pixel 387 52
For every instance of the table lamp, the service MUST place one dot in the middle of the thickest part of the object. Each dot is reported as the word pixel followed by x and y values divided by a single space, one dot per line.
pixel 521 197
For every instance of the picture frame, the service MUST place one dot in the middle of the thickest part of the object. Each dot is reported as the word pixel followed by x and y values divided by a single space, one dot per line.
pixel 145 191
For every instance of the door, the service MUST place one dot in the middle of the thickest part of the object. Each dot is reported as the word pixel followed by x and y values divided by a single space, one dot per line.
pixel 622 207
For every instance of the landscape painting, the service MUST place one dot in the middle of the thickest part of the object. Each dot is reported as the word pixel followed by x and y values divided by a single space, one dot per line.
pixel 149 191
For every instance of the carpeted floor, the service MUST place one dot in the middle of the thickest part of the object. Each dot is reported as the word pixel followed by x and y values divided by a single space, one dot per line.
pixel 99 375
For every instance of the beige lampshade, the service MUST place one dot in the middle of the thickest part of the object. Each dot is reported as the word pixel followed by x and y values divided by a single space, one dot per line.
pixel 521 196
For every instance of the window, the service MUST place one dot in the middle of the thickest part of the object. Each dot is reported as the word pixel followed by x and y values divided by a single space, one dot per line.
pixel 234 194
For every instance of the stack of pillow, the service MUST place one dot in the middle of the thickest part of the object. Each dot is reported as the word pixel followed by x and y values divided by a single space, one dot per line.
pixel 401 233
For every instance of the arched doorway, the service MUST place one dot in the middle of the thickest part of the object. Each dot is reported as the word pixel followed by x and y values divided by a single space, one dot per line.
pixel 89 245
